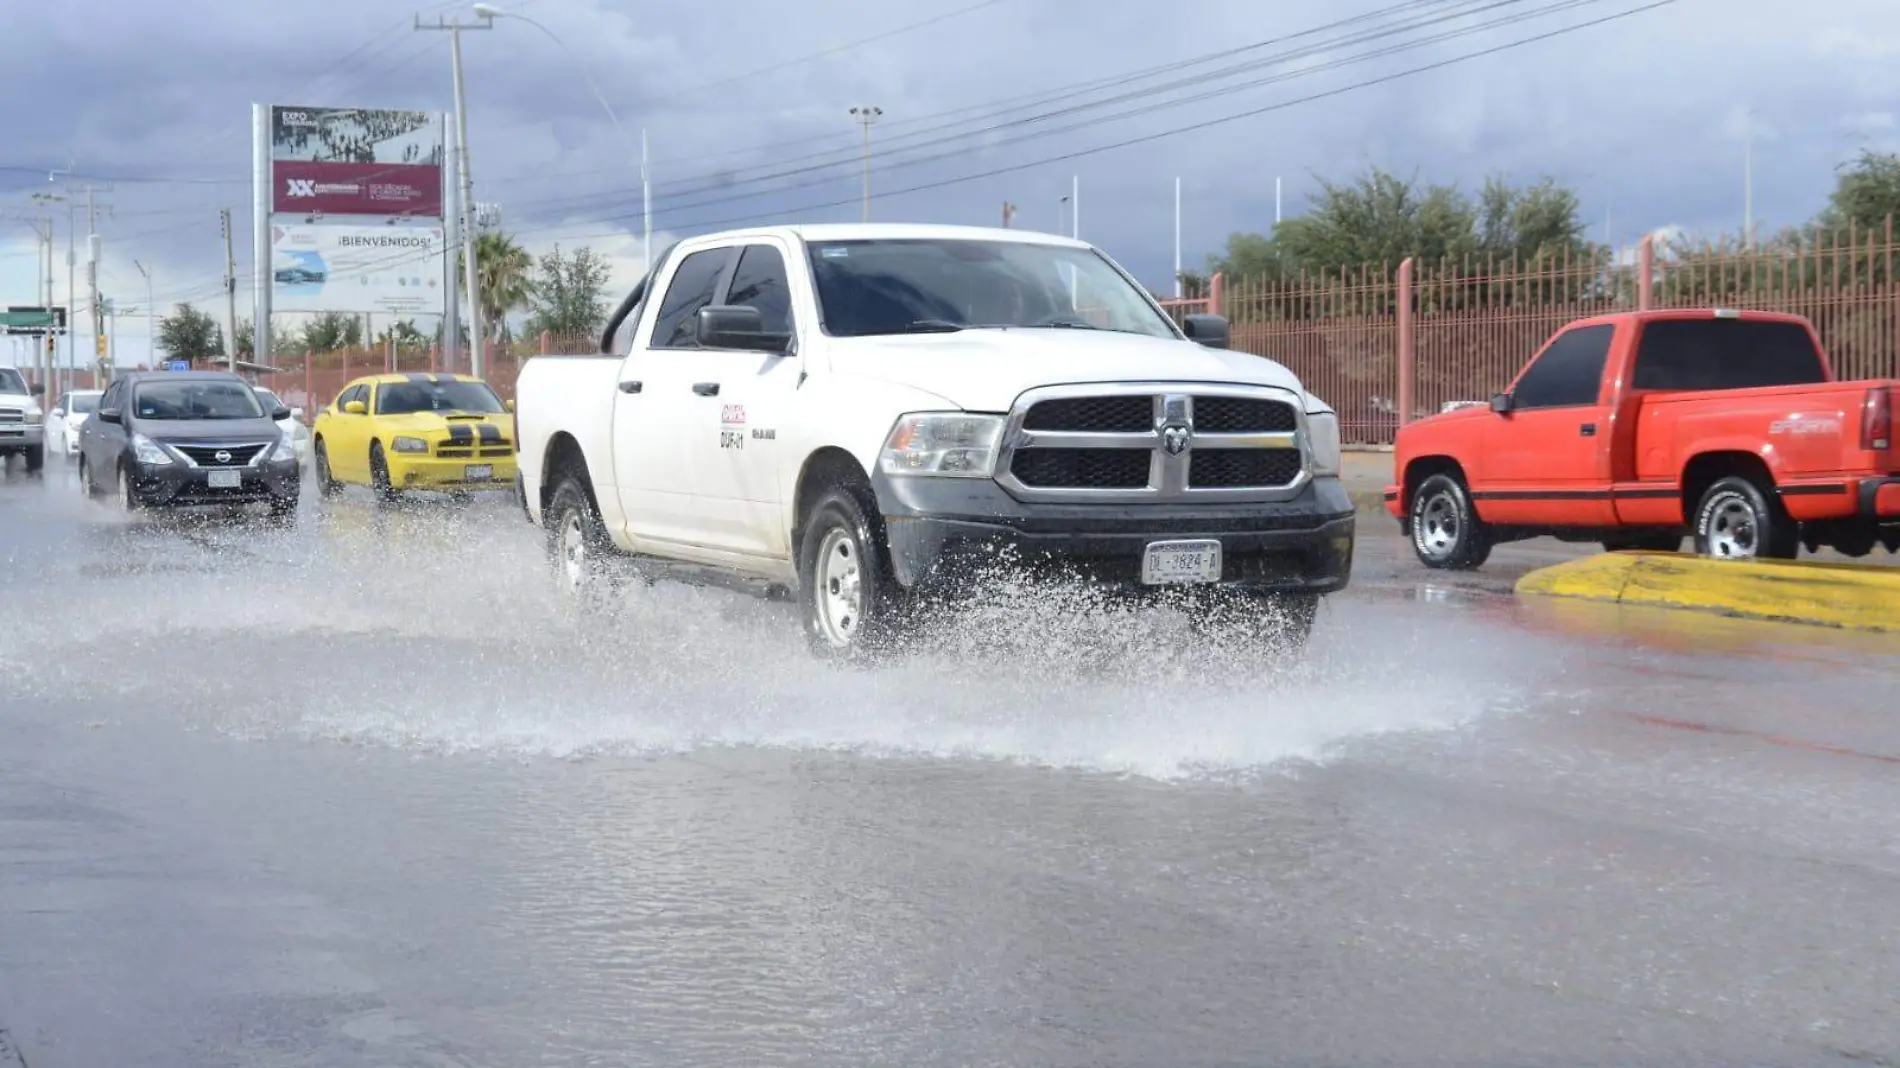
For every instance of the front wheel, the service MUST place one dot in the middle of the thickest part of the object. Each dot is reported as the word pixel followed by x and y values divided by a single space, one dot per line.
pixel 327 485
pixel 1446 531
pixel 35 458
pixel 379 481
pixel 129 502
pixel 849 601
pixel 1738 520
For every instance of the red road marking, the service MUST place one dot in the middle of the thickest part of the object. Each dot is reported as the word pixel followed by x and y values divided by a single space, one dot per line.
pixel 1771 739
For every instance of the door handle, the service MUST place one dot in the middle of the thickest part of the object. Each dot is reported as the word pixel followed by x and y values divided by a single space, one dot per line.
pixel 1588 430
pixel 629 387
pixel 706 389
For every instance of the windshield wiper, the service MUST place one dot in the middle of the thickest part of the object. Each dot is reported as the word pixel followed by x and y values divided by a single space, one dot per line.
pixel 932 326
pixel 1064 323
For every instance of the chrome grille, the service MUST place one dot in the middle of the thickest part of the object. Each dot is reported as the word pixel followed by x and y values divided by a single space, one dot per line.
pixel 221 455
pixel 1154 441
pixel 12 415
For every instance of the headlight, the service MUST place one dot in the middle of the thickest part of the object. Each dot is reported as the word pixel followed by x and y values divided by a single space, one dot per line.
pixel 410 445
pixel 283 450
pixel 148 451
pixel 1322 443
pixel 951 444
pixel 34 417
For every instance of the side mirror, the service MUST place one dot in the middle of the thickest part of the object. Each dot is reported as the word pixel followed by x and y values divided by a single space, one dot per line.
pixel 1501 403
pixel 278 415
pixel 37 390
pixel 737 326
pixel 111 415
pixel 508 404
pixel 1209 330
pixel 356 408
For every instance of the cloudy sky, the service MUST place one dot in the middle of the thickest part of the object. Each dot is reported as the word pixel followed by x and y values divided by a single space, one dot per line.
pixel 745 107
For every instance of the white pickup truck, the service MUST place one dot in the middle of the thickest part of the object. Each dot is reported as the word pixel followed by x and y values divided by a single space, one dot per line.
pixel 853 414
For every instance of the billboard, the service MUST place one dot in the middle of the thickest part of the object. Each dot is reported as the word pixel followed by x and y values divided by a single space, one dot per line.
pixel 332 267
pixel 356 161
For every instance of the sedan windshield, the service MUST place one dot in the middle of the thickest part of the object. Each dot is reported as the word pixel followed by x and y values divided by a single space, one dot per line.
pixel 270 400
pixel 11 381
pixel 930 284
pixel 196 399
pixel 404 398
pixel 85 403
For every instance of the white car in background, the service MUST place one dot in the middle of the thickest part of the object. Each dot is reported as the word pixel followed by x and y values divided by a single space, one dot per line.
pixel 293 426
pixel 67 416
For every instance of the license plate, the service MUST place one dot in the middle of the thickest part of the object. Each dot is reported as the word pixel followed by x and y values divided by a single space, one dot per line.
pixel 224 479
pixel 1172 563
pixel 478 472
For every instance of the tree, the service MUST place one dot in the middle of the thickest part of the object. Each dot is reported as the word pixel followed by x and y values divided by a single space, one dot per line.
pixel 332 330
pixel 404 333
pixel 190 334
pixel 568 293
pixel 501 280
pixel 1866 193
pixel 246 340
pixel 1382 218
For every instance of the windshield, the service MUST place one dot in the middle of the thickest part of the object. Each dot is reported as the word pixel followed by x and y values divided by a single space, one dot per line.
pixel 196 399
pixel 270 400
pixel 11 381
pixel 403 398
pixel 84 403
pixel 931 284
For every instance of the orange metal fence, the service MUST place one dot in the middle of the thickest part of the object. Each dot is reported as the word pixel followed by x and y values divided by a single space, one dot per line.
pixel 1386 344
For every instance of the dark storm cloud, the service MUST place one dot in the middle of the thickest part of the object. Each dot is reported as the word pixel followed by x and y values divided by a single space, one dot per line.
pixel 1638 115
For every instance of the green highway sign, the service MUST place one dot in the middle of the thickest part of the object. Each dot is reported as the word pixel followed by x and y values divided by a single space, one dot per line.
pixel 32 319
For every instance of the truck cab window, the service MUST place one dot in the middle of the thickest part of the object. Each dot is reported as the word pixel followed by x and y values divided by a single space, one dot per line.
pixel 1701 354
pixel 1569 373
pixel 692 288
pixel 759 282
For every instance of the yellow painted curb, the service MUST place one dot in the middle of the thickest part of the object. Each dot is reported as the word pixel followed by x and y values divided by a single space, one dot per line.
pixel 1851 596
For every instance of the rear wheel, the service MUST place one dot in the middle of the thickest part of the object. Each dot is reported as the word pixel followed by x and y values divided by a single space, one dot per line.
pixel 1446 531
pixel 1739 520
pixel 850 602
pixel 577 544
pixel 88 485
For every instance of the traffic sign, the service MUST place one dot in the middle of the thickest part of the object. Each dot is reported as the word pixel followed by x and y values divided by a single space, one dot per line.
pixel 32 319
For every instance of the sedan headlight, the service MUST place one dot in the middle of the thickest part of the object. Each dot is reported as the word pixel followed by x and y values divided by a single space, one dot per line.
pixel 283 450
pixel 410 445
pixel 949 444
pixel 147 451
pixel 1322 443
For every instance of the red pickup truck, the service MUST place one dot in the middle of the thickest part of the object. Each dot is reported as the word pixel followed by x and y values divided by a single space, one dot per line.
pixel 1635 429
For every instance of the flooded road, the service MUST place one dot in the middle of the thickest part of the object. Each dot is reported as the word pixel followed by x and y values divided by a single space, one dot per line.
pixel 361 793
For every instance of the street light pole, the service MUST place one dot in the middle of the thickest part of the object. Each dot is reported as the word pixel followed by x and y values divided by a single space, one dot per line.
pixel 491 12
pixel 151 335
pixel 477 354
pixel 866 116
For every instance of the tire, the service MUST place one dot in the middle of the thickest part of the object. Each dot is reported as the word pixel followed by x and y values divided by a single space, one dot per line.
pixel 850 604
pixel 87 484
pixel 1739 520
pixel 1281 622
pixel 35 458
pixel 327 485
pixel 1649 543
pixel 1446 531
pixel 283 511
pixel 128 497
pixel 577 544
pixel 379 482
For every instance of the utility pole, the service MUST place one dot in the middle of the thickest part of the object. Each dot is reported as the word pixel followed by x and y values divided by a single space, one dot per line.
pixel 51 354
pixel 230 291
pixel 1075 207
pixel 151 332
pixel 1276 201
pixel 866 116
pixel 477 355
pixel 646 208
pixel 1177 238
pixel 1748 180
pixel 1009 214
pixel 93 247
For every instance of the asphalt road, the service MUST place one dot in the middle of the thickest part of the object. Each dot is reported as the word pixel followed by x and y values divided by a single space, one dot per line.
pixel 358 793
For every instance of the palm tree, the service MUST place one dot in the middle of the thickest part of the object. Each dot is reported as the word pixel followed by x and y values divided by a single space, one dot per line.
pixel 502 277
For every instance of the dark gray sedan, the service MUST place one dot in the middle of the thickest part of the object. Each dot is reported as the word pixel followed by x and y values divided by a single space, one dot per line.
pixel 171 438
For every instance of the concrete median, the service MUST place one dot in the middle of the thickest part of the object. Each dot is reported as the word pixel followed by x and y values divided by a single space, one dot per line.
pixel 1850 596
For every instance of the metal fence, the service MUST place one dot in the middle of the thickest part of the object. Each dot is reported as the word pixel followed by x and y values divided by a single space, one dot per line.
pixel 1385 340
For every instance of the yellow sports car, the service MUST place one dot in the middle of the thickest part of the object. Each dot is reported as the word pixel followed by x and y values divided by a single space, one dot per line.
pixel 400 432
